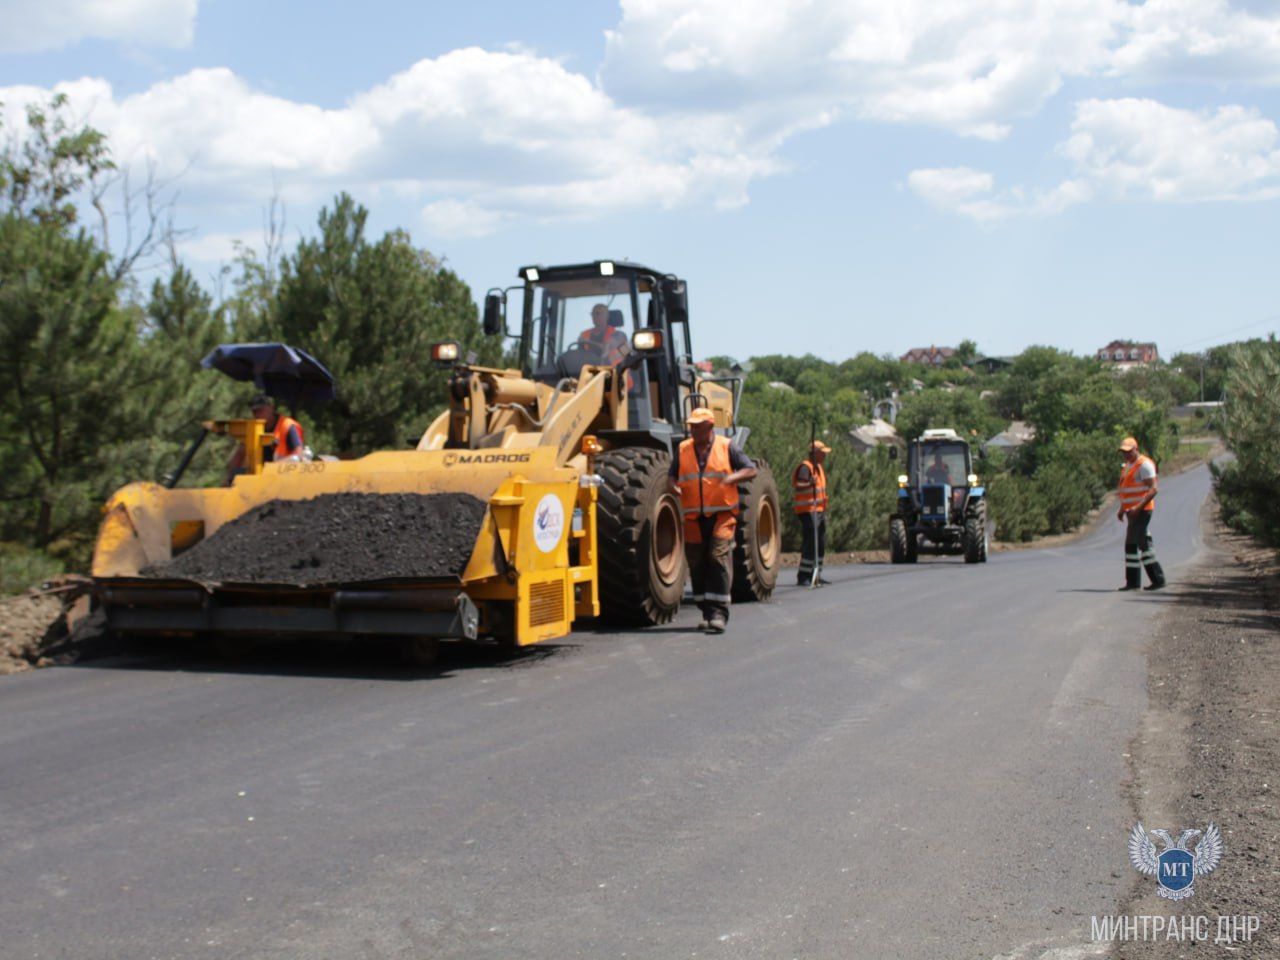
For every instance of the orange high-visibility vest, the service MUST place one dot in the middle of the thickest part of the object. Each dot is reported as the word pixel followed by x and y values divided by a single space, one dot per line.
pixel 1132 489
pixel 813 498
pixel 704 492
pixel 281 433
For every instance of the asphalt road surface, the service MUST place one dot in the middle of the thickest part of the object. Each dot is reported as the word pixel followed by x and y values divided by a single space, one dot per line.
pixel 913 762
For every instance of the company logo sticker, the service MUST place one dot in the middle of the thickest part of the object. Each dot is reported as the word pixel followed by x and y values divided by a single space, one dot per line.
pixel 1175 867
pixel 548 523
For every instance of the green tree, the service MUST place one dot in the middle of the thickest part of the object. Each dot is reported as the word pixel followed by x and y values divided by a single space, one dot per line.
pixel 370 310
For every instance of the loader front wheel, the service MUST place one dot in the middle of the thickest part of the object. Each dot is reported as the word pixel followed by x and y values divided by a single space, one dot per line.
pixel 640 538
pixel 756 551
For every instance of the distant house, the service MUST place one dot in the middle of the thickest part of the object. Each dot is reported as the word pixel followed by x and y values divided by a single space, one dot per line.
pixel 779 385
pixel 993 364
pixel 1124 354
pixel 1015 435
pixel 877 433
pixel 929 356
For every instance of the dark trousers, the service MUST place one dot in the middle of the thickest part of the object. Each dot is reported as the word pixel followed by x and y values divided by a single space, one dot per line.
pixel 1138 553
pixel 711 571
pixel 813 545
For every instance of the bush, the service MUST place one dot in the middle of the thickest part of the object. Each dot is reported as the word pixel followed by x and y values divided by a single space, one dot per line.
pixel 1016 507
pixel 1249 488
pixel 22 567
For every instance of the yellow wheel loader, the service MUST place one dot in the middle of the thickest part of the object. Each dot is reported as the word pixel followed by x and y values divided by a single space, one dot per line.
pixel 569 454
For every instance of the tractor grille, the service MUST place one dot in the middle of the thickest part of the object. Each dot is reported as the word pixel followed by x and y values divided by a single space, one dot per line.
pixel 546 603
pixel 934 498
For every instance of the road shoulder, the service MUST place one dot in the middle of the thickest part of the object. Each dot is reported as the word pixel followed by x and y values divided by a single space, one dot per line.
pixel 1209 745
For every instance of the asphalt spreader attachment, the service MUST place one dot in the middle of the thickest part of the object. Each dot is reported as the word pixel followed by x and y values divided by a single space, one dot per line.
pixel 340 538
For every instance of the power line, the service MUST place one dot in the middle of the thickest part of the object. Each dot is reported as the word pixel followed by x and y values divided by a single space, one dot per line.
pixel 1224 333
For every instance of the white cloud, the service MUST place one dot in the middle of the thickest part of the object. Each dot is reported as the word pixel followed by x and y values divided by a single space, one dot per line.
pixel 476 138
pixel 1141 149
pixel 961 190
pixel 692 103
pixel 1131 149
pixel 35 25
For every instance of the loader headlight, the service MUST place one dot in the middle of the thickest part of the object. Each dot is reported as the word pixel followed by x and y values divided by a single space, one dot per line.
pixel 445 353
pixel 973 479
pixel 531 274
pixel 903 480
pixel 644 341
pixel 606 268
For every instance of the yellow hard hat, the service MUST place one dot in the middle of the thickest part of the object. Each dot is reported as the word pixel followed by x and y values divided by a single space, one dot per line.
pixel 700 415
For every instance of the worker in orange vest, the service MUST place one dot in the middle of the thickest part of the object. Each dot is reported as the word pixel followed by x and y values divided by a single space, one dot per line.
pixel 286 431
pixel 809 482
pixel 705 473
pixel 1138 488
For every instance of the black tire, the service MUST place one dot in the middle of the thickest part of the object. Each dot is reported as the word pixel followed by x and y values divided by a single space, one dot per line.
pixel 758 538
pixel 975 534
pixel 641 538
pixel 902 545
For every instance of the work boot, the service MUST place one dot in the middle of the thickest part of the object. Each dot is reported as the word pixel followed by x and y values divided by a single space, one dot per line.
pixel 716 625
pixel 703 624
pixel 823 582
pixel 1158 585
pixel 1127 586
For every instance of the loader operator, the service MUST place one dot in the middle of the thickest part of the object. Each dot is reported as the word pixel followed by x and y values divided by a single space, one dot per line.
pixel 1138 489
pixel 609 341
pixel 809 481
pixel 286 430
pixel 706 473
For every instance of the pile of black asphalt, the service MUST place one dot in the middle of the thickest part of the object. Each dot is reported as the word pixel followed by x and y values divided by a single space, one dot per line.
pixel 337 538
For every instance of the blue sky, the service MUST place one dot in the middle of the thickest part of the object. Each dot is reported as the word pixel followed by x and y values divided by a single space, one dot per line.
pixel 830 175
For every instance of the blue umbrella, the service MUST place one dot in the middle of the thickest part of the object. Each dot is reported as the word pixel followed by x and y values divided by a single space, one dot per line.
pixel 277 369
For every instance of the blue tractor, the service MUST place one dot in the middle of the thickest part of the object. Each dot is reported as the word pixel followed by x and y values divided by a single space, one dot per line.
pixel 942 508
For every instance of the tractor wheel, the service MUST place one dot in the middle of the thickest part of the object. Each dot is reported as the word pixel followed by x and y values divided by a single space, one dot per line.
pixel 640 538
pixel 758 543
pixel 975 535
pixel 902 545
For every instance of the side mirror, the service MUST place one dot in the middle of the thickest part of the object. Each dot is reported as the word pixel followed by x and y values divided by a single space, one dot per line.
pixel 893 453
pixel 494 323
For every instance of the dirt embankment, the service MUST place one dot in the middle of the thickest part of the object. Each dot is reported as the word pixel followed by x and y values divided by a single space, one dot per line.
pixel 337 538
pixel 1209 748
pixel 48 625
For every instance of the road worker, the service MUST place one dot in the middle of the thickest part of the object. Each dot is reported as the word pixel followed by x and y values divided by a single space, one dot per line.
pixel 809 481
pixel 1138 489
pixel 705 473
pixel 287 432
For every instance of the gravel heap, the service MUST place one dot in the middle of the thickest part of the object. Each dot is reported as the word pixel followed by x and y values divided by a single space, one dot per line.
pixel 337 538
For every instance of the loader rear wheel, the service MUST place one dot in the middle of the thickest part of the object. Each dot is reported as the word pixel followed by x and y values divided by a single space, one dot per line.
pixel 902 545
pixel 756 552
pixel 641 538
pixel 975 535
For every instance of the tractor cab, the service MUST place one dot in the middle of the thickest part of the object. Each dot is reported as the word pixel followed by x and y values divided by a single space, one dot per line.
pixel 941 506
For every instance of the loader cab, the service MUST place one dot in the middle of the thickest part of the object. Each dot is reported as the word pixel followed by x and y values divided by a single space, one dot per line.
pixel 558 334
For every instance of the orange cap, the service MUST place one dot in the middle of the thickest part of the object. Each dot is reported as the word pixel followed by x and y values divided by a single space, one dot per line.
pixel 1127 444
pixel 700 415
pixel 819 445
